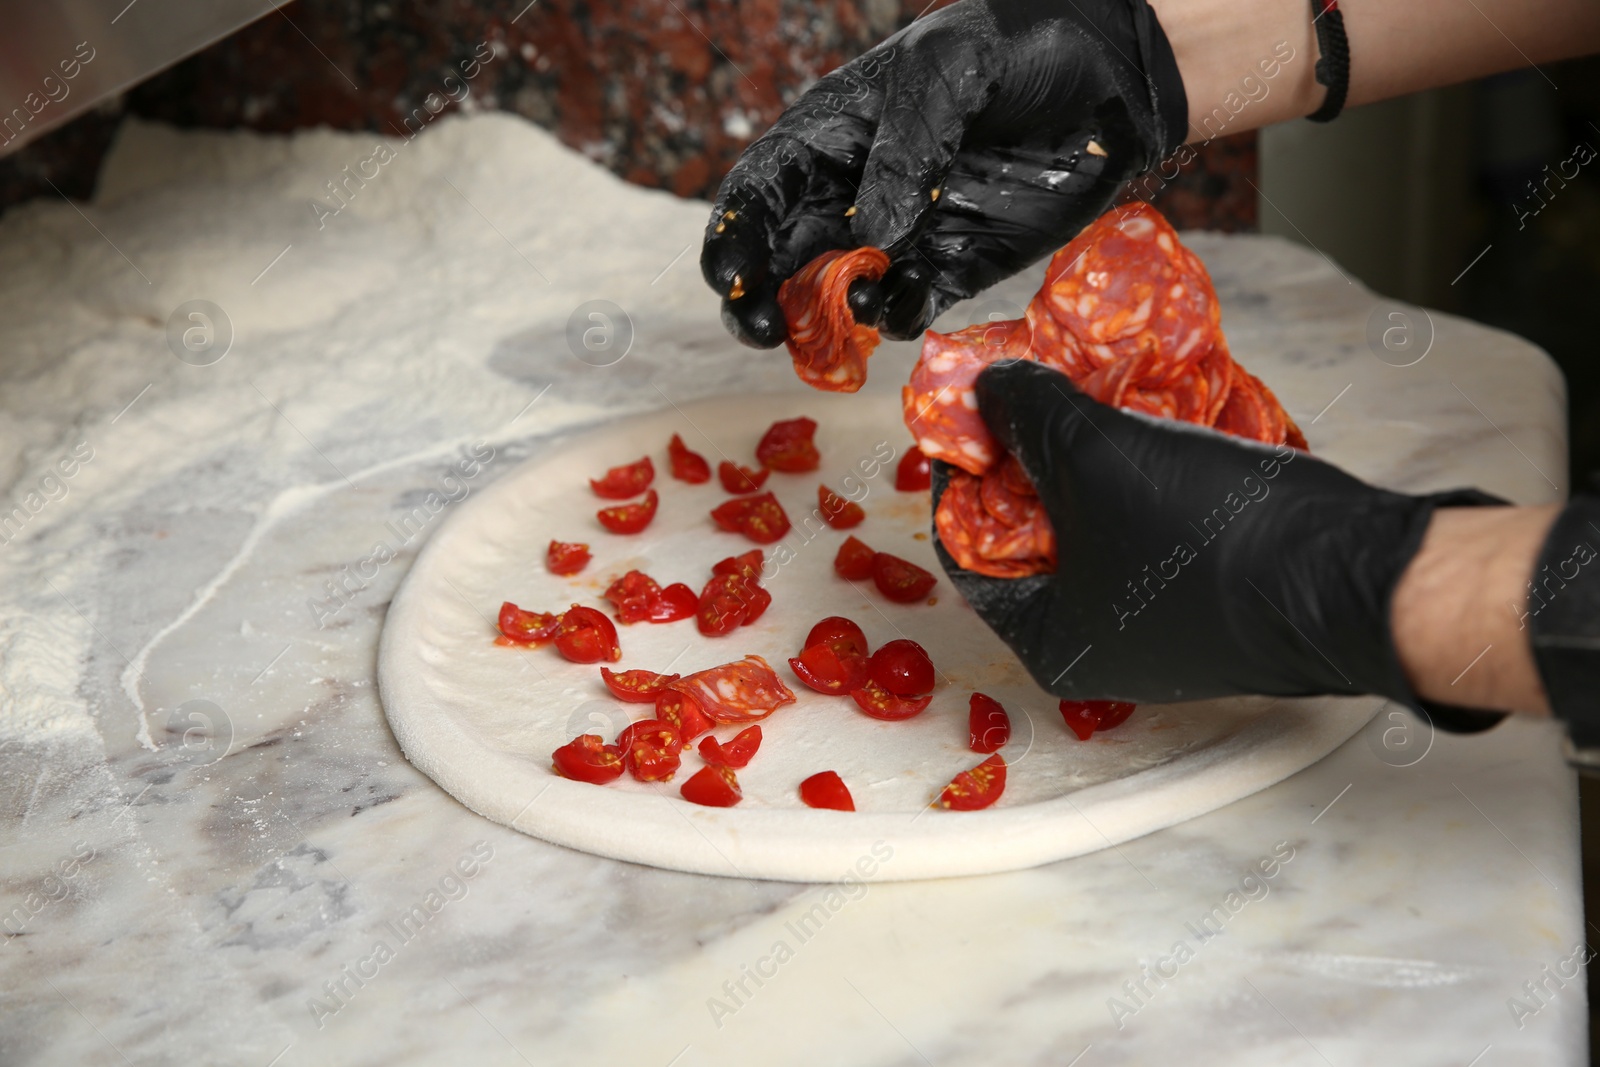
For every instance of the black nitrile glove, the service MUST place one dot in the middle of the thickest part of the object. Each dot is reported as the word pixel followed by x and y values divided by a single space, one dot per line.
pixel 970 144
pixel 1193 564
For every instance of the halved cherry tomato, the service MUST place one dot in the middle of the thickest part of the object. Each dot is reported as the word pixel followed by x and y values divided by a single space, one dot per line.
pixel 977 788
pixel 714 786
pixel 1084 717
pixel 629 518
pixel 566 557
pixel 745 565
pixel 987 724
pixel 739 479
pixel 835 669
pixel 726 602
pixel 903 668
pixel 900 580
pixel 652 750
pixel 633 596
pixel 637 686
pixel 854 560
pixel 826 790
pixel 687 466
pixel 588 759
pixel 760 518
pixel 838 512
pixel 787 446
pixel 745 690
pixel 758 600
pixel 834 629
pixel 879 703
pixel 587 636
pixel 677 602
pixel 628 480
pixel 684 713
pixel 735 753
pixel 530 628
pixel 914 472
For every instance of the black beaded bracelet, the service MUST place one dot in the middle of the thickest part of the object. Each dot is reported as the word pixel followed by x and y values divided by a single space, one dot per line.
pixel 1333 69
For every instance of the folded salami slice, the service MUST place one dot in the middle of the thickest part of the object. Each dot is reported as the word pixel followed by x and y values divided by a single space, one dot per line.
pixel 829 347
pixel 743 691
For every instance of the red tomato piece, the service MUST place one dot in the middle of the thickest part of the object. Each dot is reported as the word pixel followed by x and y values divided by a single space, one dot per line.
pixel 838 512
pixel 652 750
pixel 636 687
pixel 987 724
pixel 914 472
pixel 739 479
pixel 1084 717
pixel 832 669
pixel 879 703
pixel 687 466
pixel 745 565
pixel 835 629
pixel 628 480
pixel 633 596
pixel 900 580
pixel 826 790
pixel 629 518
pixel 760 518
pixel 588 759
pixel 903 668
pixel 977 788
pixel 587 636
pixel 725 604
pixel 684 713
pixel 531 628
pixel 713 786
pixel 854 560
pixel 566 557
pixel 677 601
pixel 735 753
pixel 787 446
pixel 743 691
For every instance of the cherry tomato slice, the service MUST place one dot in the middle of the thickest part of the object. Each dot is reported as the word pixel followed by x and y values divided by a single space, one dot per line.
pixel 687 466
pixel 826 790
pixel 633 597
pixel 1084 717
pixel 879 703
pixel 745 565
pixel 636 687
pixel 977 788
pixel 835 669
pixel 836 629
pixel 530 628
pixel 914 472
pixel 566 557
pixel 684 713
pixel 988 725
pixel 588 759
pixel 854 560
pixel 737 479
pixel 713 786
pixel 787 446
pixel 838 512
pixel 903 668
pixel 677 601
pixel 628 480
pixel 735 753
pixel 757 601
pixel 651 750
pixel 760 518
pixel 724 604
pixel 587 636
pixel 629 518
pixel 900 580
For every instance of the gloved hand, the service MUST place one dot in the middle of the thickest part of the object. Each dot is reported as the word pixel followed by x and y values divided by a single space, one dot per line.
pixel 968 145
pixel 1193 564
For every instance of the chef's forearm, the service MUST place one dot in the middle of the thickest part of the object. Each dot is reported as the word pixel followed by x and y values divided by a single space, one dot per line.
pixel 1459 614
pixel 1226 49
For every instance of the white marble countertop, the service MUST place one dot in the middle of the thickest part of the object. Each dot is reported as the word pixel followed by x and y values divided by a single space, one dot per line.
pixel 309 898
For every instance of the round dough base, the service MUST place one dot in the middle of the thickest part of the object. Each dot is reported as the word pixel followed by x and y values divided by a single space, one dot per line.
pixel 482 720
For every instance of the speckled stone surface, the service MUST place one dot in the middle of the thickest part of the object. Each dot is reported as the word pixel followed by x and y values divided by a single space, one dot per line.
pixel 291 892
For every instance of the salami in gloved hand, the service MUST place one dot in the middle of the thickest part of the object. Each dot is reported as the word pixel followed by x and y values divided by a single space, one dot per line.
pixel 1192 564
pixel 968 145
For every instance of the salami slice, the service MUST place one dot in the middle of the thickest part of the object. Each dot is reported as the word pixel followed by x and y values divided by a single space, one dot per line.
pixel 939 406
pixel 829 347
pixel 743 691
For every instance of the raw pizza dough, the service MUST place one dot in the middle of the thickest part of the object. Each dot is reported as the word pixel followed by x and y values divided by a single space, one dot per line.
pixel 482 720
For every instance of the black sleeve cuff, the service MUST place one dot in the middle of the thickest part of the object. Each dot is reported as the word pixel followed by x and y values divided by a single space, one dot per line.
pixel 1563 621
